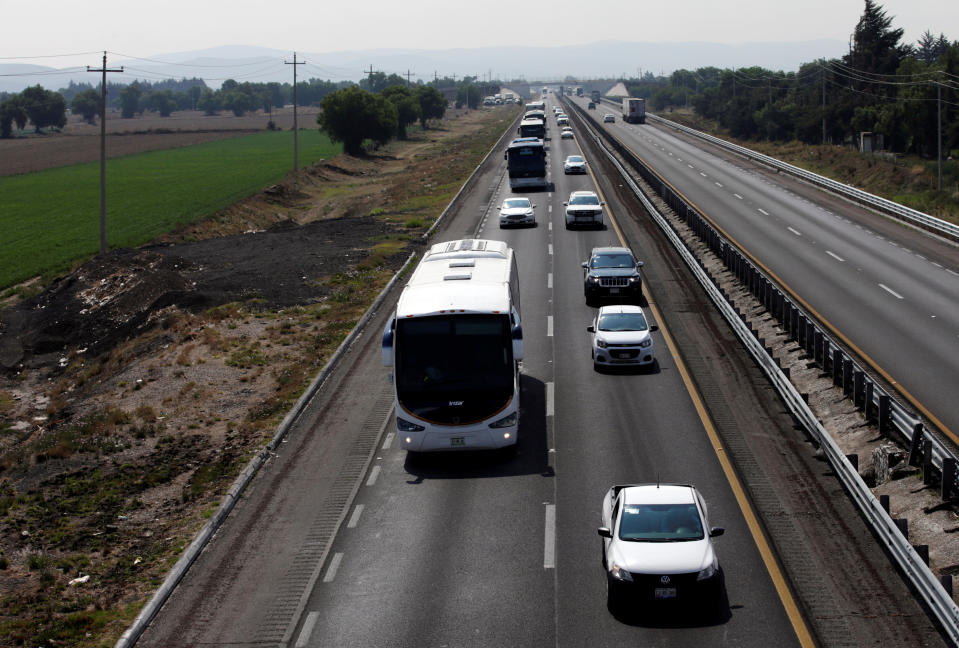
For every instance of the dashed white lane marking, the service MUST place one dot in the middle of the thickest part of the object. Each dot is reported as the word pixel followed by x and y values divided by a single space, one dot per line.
pixel 738 196
pixel 836 256
pixel 550 403
pixel 718 184
pixel 550 226
pixel 332 569
pixel 550 249
pixel 388 441
pixel 549 280
pixel 549 326
pixel 891 291
pixel 703 174
pixel 549 538
pixel 690 166
pixel 374 473
pixel 355 518
pixel 304 637
pixel 763 212
pixel 794 231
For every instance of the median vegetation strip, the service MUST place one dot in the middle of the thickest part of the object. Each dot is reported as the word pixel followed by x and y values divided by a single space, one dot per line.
pixel 114 452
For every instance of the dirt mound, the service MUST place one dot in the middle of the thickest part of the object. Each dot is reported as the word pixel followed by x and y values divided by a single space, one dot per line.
pixel 118 295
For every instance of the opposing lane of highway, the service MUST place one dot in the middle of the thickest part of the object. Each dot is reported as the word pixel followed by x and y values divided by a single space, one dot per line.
pixel 889 290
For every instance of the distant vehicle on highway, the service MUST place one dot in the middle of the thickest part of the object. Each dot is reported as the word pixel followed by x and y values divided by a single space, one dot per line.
pixel 657 546
pixel 574 164
pixel 621 337
pixel 634 110
pixel 517 211
pixel 584 208
pixel 609 118
pixel 566 133
pixel 612 272
pixel 526 163
pixel 591 106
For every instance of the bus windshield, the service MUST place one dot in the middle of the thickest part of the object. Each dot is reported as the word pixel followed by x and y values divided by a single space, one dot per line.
pixel 454 368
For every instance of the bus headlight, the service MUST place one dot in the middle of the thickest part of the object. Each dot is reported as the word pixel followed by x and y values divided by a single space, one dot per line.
pixel 405 426
pixel 506 421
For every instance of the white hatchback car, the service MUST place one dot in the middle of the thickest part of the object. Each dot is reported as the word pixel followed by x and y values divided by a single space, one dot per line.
pixel 517 211
pixel 657 546
pixel 621 337
pixel 574 164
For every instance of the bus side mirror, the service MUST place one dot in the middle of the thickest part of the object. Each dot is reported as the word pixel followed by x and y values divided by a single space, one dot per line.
pixel 387 349
pixel 517 335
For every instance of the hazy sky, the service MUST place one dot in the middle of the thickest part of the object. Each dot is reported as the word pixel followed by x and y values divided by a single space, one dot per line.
pixel 146 28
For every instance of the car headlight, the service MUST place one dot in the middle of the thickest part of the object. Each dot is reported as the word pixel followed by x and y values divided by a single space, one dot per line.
pixel 645 343
pixel 406 426
pixel 620 574
pixel 593 279
pixel 601 344
pixel 634 279
pixel 709 572
pixel 506 421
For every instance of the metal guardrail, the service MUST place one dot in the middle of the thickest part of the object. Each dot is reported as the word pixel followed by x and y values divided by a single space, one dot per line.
pixel 867 394
pixel 904 214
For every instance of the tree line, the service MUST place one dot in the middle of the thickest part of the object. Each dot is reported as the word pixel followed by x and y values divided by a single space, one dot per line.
pixel 881 86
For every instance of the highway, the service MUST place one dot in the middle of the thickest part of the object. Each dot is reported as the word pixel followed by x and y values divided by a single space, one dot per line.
pixel 891 291
pixel 345 540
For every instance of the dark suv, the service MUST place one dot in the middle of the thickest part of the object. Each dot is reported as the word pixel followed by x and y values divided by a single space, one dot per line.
pixel 612 272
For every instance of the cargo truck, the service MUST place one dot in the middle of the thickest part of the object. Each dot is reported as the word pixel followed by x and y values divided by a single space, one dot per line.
pixel 634 110
pixel 594 95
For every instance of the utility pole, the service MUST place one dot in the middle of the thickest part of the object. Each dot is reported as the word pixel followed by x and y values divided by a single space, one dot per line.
pixel 408 73
pixel 370 72
pixel 939 130
pixel 822 74
pixel 296 148
pixel 103 150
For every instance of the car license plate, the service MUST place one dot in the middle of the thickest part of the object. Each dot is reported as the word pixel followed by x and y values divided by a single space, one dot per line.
pixel 457 442
pixel 664 592
pixel 613 291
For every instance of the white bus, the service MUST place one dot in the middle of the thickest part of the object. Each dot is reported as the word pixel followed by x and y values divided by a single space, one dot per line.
pixel 455 342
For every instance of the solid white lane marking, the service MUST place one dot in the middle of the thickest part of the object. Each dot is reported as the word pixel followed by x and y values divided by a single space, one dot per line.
pixel 794 231
pixel 550 249
pixel 304 637
pixel 835 256
pixel 937 265
pixel 738 196
pixel 355 518
pixel 374 473
pixel 388 441
pixel 550 404
pixel 549 538
pixel 332 569
pixel 549 326
pixel 763 212
pixel 549 280
pixel 952 272
pixel 891 291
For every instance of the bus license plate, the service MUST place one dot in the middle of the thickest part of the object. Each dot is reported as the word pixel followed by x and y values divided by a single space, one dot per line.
pixel 665 592
pixel 457 442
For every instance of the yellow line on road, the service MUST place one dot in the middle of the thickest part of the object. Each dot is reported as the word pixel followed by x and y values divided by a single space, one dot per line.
pixel 752 521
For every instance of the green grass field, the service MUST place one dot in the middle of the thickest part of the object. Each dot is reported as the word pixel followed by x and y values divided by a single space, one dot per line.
pixel 51 219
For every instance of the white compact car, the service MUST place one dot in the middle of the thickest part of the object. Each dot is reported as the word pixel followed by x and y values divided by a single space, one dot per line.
pixel 621 337
pixel 609 118
pixel 517 211
pixel 657 546
pixel 566 133
pixel 574 164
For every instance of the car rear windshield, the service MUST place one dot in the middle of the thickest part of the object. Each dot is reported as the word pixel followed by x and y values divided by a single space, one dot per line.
pixel 622 322
pixel 612 261
pixel 660 523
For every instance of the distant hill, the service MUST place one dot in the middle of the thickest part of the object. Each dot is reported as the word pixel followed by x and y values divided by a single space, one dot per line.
pixel 605 59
